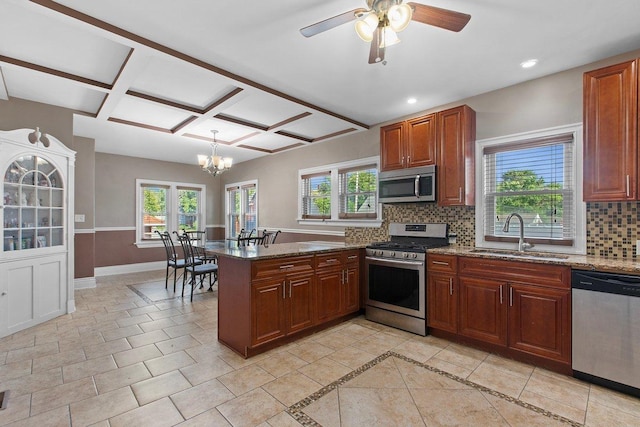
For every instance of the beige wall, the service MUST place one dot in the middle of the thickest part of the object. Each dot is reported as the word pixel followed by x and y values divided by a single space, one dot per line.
pixel 18 113
pixel 542 103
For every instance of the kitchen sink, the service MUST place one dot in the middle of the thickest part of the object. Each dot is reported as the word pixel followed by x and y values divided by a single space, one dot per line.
pixel 518 254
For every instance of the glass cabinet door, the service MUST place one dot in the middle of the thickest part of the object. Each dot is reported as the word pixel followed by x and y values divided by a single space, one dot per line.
pixel 33 205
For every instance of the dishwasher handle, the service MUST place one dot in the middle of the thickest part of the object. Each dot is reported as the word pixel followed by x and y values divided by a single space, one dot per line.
pixel 609 283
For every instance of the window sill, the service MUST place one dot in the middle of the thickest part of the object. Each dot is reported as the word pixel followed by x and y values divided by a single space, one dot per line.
pixel 341 222
pixel 148 244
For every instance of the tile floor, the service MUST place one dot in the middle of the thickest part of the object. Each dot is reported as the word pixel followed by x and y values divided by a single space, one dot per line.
pixel 144 358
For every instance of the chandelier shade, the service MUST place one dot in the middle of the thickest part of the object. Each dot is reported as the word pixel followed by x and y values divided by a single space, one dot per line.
pixel 214 164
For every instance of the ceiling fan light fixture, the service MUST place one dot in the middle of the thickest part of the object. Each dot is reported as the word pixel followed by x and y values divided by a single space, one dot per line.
pixel 366 26
pixel 399 16
pixel 389 37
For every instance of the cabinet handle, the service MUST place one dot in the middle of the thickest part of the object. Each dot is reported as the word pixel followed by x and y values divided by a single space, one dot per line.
pixel 500 294
pixel 284 286
pixel 450 286
pixel 352 257
pixel 402 161
pixel 332 260
pixel 460 194
pixel 628 186
pixel 440 263
pixel 510 297
pixel 290 286
pixel 282 267
pixel 3 294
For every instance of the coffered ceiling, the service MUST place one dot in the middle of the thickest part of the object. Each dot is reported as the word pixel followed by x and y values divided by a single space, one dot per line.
pixel 152 78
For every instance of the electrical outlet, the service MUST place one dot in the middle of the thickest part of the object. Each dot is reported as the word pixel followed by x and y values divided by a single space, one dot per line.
pixel 79 218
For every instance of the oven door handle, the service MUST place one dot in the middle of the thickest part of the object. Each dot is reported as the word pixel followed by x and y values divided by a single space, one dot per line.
pixel 395 261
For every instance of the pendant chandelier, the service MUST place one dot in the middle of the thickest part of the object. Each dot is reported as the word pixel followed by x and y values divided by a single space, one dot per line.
pixel 214 164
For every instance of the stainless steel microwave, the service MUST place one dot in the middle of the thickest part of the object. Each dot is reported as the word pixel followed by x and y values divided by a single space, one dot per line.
pixel 408 185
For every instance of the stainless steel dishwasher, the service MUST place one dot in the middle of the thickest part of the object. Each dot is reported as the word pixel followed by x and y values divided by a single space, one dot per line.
pixel 606 329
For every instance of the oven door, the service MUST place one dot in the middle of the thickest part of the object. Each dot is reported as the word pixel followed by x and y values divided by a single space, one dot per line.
pixel 396 285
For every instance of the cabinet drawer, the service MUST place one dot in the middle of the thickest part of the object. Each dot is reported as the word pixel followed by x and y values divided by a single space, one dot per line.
pixel 329 260
pixel 270 268
pixel 556 276
pixel 352 256
pixel 443 263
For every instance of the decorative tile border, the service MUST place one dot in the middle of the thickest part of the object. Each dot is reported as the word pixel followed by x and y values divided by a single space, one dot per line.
pixel 200 295
pixel 296 410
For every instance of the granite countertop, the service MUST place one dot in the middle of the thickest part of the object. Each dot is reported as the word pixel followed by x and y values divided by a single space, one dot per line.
pixel 279 250
pixel 579 262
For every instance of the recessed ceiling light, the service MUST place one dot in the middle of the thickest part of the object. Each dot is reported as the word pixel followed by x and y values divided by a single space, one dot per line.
pixel 529 63
pixel 411 101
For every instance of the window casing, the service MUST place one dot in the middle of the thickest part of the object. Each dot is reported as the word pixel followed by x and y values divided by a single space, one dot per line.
pixel 537 175
pixel 241 207
pixel 340 194
pixel 167 206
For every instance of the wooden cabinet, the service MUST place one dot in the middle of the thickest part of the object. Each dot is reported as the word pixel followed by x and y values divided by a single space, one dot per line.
pixel 265 302
pixel 408 144
pixel 281 298
pixel 36 266
pixel 521 309
pixel 337 284
pixel 456 133
pixel 442 292
pixel 610 133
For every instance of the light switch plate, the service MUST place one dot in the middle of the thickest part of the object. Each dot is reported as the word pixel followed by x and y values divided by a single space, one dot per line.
pixel 79 218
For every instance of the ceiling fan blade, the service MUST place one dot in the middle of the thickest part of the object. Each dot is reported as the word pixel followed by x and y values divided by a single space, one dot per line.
pixel 330 23
pixel 376 53
pixel 443 18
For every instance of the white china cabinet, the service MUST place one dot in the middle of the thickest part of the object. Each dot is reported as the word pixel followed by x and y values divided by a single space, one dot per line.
pixel 36 267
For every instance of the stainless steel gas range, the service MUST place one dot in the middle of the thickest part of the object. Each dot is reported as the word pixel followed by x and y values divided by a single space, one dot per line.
pixel 395 274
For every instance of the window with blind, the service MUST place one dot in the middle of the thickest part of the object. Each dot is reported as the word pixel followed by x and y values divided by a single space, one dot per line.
pixel 340 192
pixel 242 207
pixel 358 192
pixel 536 178
pixel 167 206
pixel 316 195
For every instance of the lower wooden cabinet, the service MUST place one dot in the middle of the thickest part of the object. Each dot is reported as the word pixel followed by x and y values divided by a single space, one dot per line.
pixel 262 303
pixel 337 284
pixel 521 307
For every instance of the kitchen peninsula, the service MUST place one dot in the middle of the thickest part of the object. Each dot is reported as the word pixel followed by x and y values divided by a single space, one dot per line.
pixel 270 295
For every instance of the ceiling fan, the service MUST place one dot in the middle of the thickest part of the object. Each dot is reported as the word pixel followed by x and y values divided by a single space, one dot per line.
pixel 380 23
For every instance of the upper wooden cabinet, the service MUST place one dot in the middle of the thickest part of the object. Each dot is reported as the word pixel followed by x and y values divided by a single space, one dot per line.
pixel 456 135
pixel 610 133
pixel 408 144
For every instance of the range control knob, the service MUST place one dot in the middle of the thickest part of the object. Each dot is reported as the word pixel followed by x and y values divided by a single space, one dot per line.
pixel 415 256
pixel 406 254
pixel 393 254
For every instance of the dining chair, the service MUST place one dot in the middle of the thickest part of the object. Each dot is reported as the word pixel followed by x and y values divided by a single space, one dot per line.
pixel 198 240
pixel 172 259
pixel 246 238
pixel 195 267
pixel 269 237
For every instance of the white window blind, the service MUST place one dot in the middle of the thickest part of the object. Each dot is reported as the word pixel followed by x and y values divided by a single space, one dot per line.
pixel 535 178
pixel 316 195
pixel 358 192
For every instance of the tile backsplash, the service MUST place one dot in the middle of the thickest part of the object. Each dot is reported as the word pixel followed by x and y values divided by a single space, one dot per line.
pixel 611 227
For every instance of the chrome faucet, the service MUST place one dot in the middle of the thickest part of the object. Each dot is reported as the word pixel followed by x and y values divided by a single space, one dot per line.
pixel 522 245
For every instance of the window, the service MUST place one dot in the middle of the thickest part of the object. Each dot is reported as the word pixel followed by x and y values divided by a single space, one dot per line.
pixel 536 176
pixel 340 194
pixel 167 206
pixel 242 207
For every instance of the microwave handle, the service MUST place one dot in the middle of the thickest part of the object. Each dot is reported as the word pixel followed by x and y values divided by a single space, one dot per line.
pixel 416 186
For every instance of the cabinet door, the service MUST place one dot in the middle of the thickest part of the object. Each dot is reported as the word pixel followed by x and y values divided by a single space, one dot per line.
pixel 483 311
pixel 328 294
pixel 421 141
pixel 351 289
pixel 392 153
pixel 299 311
pixel 267 308
pixel 539 321
pixel 610 144
pixel 455 157
pixel 442 303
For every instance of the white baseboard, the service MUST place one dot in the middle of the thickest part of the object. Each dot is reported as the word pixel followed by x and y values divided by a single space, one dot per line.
pixel 84 283
pixel 129 268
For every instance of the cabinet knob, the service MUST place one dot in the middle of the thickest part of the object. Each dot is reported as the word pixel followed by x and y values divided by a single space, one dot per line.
pixel 3 294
